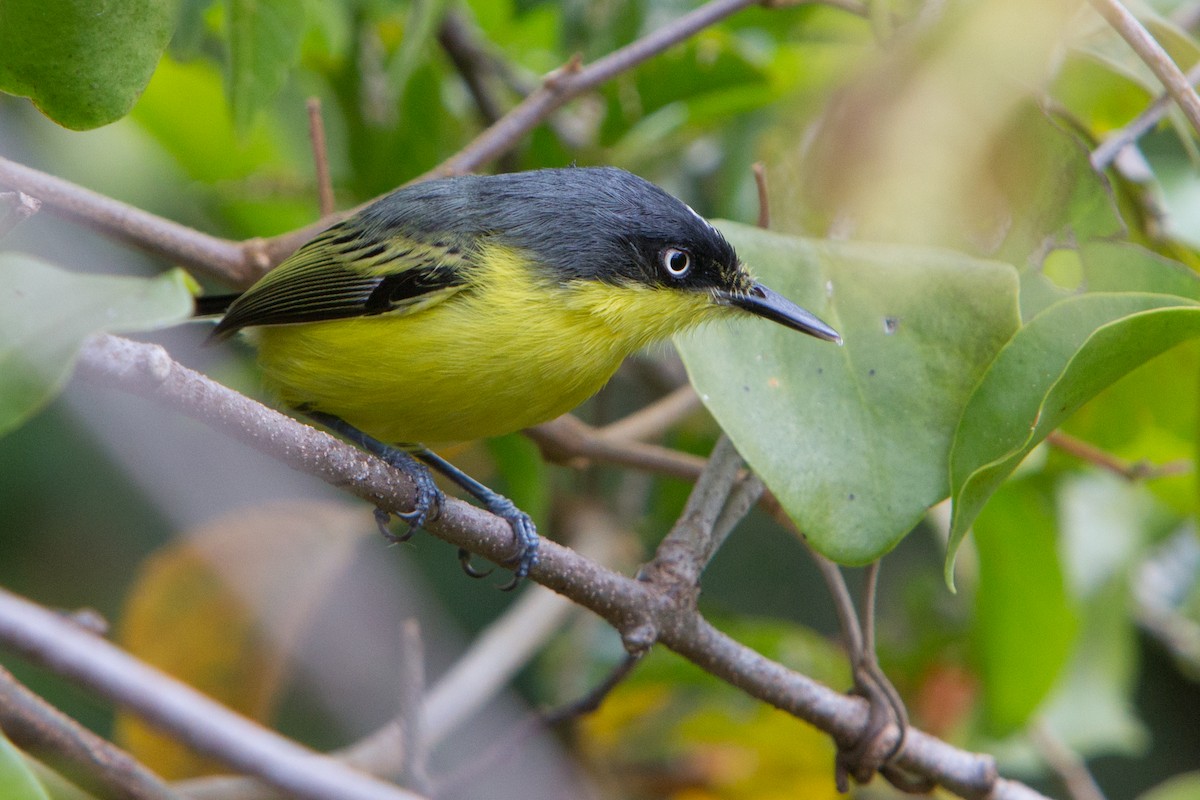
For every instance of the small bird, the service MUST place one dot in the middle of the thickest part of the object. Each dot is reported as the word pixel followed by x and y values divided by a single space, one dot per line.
pixel 474 306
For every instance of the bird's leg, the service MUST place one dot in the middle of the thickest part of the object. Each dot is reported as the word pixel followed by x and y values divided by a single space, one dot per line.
pixel 524 532
pixel 429 496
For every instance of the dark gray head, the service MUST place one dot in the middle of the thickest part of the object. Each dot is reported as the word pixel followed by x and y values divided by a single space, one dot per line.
pixel 589 223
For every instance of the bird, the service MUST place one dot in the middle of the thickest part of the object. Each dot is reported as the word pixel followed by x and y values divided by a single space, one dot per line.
pixel 473 306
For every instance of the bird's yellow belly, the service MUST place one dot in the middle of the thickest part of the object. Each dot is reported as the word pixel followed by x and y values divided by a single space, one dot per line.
pixel 432 379
pixel 485 362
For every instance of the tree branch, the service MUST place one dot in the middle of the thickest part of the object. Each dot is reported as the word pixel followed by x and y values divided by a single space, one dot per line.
pixel 1154 56
pixel 573 79
pixel 51 736
pixel 636 609
pixel 200 722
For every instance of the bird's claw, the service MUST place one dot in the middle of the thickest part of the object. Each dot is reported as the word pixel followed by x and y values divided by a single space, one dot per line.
pixel 525 538
pixel 464 560
pixel 426 506
pixel 526 541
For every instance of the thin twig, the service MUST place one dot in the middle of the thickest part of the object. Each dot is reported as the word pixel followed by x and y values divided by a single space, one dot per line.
pixel 628 605
pixel 206 726
pixel 764 205
pixel 573 79
pixel 453 785
pixel 653 420
pixel 414 763
pixel 1066 763
pixel 567 440
pixel 473 63
pixel 690 544
pixel 46 733
pixel 1155 57
pixel 1129 470
pixel 1116 141
pixel 316 132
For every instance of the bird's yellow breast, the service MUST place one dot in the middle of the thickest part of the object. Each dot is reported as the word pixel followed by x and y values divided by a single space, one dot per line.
pixel 510 350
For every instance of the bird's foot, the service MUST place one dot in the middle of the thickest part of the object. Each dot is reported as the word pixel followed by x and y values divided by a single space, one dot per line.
pixel 427 504
pixel 525 538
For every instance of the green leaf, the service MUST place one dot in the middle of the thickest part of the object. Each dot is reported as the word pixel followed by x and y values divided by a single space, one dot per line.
pixel 17 782
pixel 46 313
pixel 82 63
pixel 1092 707
pixel 264 45
pixel 1021 588
pixel 1178 787
pixel 419 30
pixel 1053 365
pixel 854 440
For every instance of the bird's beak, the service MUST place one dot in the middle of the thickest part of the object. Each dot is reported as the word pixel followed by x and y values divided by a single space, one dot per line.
pixel 765 303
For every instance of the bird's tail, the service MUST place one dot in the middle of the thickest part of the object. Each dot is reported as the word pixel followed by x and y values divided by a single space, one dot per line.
pixel 213 304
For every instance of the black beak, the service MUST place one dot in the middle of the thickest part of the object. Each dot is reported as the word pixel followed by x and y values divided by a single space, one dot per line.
pixel 765 303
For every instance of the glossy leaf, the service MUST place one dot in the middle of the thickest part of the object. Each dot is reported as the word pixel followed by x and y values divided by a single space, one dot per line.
pixel 83 64
pixel 1053 365
pixel 17 781
pixel 854 440
pixel 1021 588
pixel 46 313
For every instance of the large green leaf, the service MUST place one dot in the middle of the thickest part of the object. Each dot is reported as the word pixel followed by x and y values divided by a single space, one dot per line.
pixel 82 63
pixel 854 440
pixel 46 313
pixel 1054 364
pixel 17 782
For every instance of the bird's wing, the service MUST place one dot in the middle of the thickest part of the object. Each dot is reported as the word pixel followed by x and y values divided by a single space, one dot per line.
pixel 342 274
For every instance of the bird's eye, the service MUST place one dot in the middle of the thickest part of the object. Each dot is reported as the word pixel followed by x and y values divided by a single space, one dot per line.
pixel 676 262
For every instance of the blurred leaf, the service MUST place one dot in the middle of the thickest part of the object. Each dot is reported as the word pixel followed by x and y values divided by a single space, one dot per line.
pixel 46 314
pixel 82 65
pixel 1045 186
pixel 56 786
pixel 1020 590
pixel 1103 266
pixel 671 724
pixel 419 30
pixel 854 440
pixel 17 782
pixel 1092 708
pixel 264 45
pixel 1179 787
pixel 199 134
pixel 222 608
pixel 1105 522
pixel 937 140
pixel 1057 362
